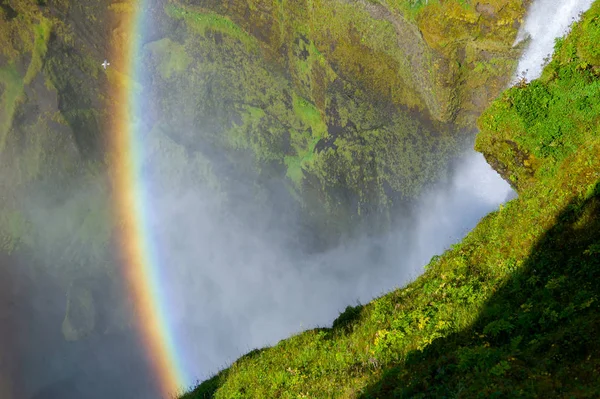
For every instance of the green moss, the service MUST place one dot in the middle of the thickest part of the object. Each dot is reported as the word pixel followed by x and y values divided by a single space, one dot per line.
pixel 303 142
pixel 11 80
pixel 40 46
pixel 384 96
pixel 12 84
pixel 73 74
pixel 283 119
pixel 378 47
pixel 42 157
pixel 203 22
pixel 536 125
pixel 170 57
pixel 368 50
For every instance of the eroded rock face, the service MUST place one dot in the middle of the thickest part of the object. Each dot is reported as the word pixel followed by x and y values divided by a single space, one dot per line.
pixel 357 104
pixel 351 108
pixel 354 104
pixel 514 164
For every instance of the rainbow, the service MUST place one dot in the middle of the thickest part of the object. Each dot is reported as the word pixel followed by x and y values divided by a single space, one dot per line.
pixel 140 260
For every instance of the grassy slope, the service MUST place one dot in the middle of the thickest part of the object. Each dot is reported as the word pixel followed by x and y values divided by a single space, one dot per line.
pixel 511 311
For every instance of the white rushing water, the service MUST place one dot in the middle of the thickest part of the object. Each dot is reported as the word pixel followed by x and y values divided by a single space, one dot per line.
pixel 546 21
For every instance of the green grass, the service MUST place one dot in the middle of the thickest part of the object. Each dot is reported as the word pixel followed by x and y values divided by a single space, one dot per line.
pixel 304 142
pixel 12 84
pixel 535 126
pixel 202 22
pixel 512 310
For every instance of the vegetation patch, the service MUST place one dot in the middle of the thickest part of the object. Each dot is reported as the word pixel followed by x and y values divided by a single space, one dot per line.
pixel 327 134
pixel 303 143
pixel 12 84
pixel 379 89
pixel 170 57
pixel 536 125
pixel 40 46
pixel 202 22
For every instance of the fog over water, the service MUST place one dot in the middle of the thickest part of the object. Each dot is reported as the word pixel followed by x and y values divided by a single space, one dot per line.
pixel 234 273
pixel 235 287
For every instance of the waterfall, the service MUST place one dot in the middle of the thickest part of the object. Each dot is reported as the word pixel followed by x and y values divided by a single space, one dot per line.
pixel 546 21
pixel 256 292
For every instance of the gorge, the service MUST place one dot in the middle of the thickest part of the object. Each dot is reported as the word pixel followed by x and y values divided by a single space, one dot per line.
pixel 264 164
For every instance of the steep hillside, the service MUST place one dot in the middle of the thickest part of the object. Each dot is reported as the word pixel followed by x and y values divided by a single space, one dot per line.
pixel 511 311
pixel 358 105
pixel 54 206
pixel 357 115
pixel 304 99
pixel 347 119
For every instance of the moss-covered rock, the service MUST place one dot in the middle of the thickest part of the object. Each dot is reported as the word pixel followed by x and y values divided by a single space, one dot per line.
pixel 407 52
pixel 50 108
pixel 54 197
pixel 536 125
pixel 358 104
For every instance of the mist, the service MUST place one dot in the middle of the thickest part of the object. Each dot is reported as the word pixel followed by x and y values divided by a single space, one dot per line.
pixel 234 270
pixel 234 287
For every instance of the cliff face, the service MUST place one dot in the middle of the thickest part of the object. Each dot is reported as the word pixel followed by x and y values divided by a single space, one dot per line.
pixel 512 310
pixel 357 104
pixel 537 125
pixel 55 216
pixel 411 55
